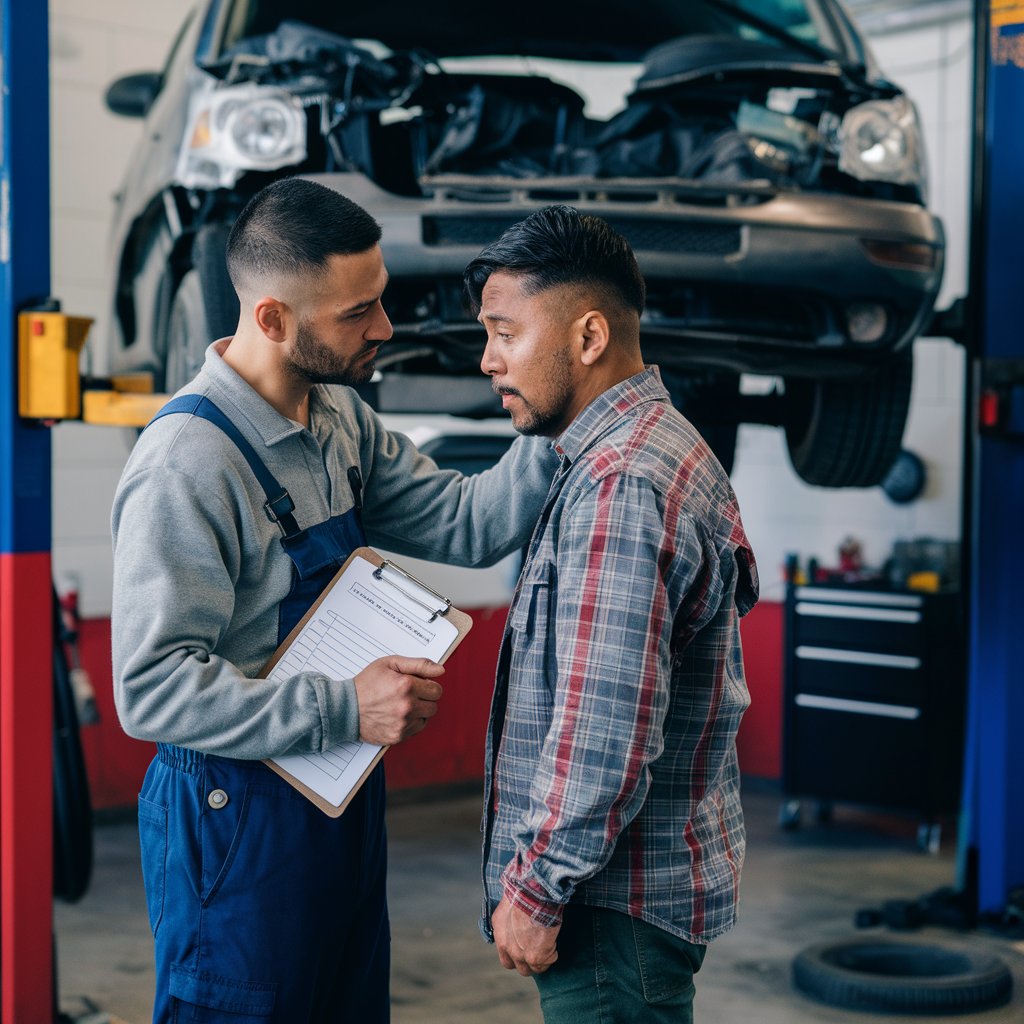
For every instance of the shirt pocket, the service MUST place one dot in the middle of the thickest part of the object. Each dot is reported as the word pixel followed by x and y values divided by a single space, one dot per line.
pixel 534 664
pixel 534 602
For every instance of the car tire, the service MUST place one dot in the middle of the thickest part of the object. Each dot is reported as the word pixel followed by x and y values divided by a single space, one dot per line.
pixel 847 433
pixel 72 803
pixel 902 977
pixel 204 308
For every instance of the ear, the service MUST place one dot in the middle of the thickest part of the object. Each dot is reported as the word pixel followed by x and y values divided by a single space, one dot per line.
pixel 272 317
pixel 594 334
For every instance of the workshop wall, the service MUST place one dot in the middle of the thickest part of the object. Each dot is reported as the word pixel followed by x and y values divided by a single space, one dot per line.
pixel 95 41
pixel 781 513
pixel 92 42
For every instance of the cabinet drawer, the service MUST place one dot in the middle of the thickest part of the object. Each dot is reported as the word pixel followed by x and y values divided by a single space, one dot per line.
pixel 862 758
pixel 864 675
pixel 859 627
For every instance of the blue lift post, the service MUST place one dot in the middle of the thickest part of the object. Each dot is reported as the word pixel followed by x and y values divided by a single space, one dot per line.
pixel 26 643
pixel 992 832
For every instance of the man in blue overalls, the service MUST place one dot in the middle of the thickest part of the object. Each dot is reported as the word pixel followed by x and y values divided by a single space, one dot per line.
pixel 236 508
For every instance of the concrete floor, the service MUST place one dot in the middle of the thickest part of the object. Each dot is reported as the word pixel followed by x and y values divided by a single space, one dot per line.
pixel 798 888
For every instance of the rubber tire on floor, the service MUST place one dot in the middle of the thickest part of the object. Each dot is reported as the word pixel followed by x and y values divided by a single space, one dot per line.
pixel 902 977
pixel 847 433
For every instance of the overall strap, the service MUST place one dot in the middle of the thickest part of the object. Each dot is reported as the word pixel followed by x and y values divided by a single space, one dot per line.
pixel 279 505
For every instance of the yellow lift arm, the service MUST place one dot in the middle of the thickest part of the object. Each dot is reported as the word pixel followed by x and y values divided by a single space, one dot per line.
pixel 50 384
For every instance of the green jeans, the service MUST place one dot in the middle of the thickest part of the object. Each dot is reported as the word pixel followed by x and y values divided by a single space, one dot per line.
pixel 616 969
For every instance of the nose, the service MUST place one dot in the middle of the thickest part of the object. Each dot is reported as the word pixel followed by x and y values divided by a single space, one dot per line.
pixel 490 363
pixel 380 329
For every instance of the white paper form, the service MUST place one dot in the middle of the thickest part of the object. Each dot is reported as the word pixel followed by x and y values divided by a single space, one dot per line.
pixel 362 618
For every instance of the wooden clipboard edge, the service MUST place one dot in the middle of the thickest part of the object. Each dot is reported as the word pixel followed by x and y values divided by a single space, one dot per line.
pixel 462 622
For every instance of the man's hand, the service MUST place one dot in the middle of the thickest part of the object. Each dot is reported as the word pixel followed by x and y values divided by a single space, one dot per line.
pixel 396 697
pixel 523 945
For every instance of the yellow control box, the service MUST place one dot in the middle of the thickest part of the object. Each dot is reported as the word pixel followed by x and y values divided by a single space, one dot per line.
pixel 49 384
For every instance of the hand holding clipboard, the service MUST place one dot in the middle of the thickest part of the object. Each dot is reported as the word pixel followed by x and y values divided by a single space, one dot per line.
pixel 371 609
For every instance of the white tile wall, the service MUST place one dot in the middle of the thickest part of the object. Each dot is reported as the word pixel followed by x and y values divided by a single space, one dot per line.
pixel 94 41
pixel 781 513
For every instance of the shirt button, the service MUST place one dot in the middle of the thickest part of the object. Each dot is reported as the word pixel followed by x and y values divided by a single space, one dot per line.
pixel 217 799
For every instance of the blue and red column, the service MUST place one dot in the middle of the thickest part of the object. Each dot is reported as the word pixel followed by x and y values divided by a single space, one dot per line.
pixel 26 645
pixel 992 834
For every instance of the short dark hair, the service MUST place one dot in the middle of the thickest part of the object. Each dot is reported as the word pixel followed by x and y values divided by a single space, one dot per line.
pixel 293 226
pixel 558 245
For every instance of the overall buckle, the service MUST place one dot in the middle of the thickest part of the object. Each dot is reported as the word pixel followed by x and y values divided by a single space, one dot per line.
pixel 277 508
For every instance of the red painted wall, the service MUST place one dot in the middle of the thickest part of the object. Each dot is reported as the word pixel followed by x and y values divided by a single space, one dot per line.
pixel 760 738
pixel 451 750
pixel 115 762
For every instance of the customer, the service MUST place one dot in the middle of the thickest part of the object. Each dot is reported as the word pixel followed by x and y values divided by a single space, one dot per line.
pixel 613 831
pixel 237 506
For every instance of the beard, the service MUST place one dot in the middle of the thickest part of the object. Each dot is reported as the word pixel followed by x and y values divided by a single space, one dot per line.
pixel 316 362
pixel 546 416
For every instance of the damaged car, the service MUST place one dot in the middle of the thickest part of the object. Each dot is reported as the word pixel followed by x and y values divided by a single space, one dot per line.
pixel 769 178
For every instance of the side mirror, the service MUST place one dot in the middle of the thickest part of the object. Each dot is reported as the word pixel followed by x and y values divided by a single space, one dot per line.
pixel 133 95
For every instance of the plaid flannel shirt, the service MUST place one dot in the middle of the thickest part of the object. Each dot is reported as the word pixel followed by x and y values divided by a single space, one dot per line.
pixel 611 757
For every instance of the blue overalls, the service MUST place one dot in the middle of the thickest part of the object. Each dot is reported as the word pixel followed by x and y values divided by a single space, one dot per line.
pixel 263 908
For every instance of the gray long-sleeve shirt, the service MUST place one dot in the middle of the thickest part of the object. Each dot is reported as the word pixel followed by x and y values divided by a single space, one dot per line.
pixel 199 570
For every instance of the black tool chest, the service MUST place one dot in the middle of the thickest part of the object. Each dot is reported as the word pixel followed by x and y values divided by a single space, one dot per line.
pixel 874 701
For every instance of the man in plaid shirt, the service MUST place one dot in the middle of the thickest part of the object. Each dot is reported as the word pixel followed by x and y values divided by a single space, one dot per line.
pixel 613 833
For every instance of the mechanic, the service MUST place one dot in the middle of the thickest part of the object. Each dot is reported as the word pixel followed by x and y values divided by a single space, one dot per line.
pixel 613 828
pixel 237 506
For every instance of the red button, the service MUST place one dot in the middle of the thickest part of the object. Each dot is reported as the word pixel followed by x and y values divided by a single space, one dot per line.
pixel 988 411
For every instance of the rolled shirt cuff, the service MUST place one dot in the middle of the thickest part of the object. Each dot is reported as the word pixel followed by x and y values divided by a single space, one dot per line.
pixel 528 896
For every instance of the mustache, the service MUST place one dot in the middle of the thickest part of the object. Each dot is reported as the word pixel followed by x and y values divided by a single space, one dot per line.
pixel 501 389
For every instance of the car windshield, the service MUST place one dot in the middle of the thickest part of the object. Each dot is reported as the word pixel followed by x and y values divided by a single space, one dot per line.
pixel 539 28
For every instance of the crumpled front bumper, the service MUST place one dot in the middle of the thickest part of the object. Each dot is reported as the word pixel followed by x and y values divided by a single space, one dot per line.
pixel 813 252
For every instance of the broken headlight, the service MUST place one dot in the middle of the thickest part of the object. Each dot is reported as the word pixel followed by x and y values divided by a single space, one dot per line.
pixel 240 128
pixel 881 141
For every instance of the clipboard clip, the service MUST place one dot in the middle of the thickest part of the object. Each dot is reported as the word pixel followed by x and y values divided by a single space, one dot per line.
pixel 378 574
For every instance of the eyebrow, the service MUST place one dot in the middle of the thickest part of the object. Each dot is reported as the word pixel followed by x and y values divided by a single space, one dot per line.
pixel 366 302
pixel 500 318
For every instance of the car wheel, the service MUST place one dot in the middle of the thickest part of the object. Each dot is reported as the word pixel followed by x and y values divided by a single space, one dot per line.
pixel 902 977
pixel 847 433
pixel 203 309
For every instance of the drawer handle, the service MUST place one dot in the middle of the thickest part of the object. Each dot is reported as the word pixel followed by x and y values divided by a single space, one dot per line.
pixel 858 657
pixel 858 597
pixel 828 611
pixel 857 707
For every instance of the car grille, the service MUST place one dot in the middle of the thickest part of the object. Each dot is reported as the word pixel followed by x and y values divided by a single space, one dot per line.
pixel 642 233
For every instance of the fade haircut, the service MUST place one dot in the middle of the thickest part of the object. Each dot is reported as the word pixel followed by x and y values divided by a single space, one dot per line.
pixel 558 245
pixel 292 227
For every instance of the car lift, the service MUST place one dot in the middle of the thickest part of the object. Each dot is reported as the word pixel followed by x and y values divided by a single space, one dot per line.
pixel 991 863
pixel 43 345
pixel 989 887
pixel 47 375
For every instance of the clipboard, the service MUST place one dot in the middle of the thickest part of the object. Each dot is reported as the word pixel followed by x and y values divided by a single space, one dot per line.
pixel 371 606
